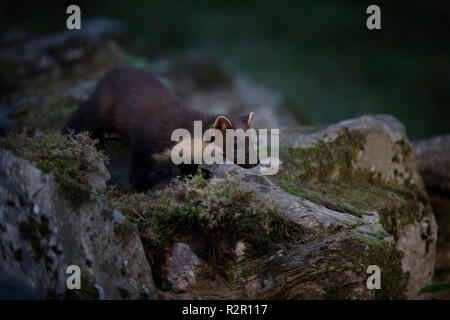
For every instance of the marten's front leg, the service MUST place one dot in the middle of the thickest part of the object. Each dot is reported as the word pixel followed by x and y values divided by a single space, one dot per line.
pixel 140 167
pixel 188 169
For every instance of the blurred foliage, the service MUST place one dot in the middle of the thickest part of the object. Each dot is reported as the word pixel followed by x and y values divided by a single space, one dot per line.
pixel 435 287
pixel 318 53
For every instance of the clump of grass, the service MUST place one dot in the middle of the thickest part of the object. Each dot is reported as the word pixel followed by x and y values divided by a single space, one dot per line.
pixel 71 158
pixel 217 213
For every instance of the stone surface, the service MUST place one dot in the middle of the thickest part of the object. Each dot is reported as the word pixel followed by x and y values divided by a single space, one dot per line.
pixel 318 267
pixel 182 267
pixel 434 165
pixel 387 153
pixel 434 162
pixel 42 234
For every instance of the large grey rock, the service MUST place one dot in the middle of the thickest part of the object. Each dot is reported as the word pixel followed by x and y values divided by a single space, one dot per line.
pixel 434 165
pixel 387 154
pixel 323 266
pixel 434 162
pixel 42 233
pixel 84 51
pixel 182 267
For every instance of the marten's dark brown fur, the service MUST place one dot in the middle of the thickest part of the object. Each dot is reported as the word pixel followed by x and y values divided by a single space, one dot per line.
pixel 135 104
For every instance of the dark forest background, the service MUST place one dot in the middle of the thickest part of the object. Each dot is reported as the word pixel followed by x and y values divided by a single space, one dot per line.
pixel 319 54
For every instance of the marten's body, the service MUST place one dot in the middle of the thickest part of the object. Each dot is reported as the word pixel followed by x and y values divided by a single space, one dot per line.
pixel 135 104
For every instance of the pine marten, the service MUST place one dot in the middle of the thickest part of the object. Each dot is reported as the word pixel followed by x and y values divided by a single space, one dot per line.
pixel 136 105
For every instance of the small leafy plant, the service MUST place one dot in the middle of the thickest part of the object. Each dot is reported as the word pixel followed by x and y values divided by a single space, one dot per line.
pixel 435 287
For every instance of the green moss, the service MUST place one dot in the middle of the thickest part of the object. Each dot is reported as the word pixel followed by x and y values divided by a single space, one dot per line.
pixel 215 214
pixel 399 215
pixel 324 173
pixel 124 231
pixel 322 160
pixel 87 291
pixel 384 255
pixel 70 158
pixel 331 293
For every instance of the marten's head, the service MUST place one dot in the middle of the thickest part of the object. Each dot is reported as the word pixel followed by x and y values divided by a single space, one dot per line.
pixel 240 125
pixel 242 149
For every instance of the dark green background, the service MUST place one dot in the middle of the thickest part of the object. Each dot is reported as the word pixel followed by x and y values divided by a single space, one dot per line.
pixel 318 53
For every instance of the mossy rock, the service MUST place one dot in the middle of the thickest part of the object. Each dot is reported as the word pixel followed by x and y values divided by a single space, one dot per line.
pixel 365 168
pixel 214 213
pixel 328 173
pixel 88 291
pixel 384 255
pixel 70 158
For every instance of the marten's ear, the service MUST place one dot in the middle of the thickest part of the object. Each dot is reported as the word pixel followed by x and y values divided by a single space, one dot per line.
pixel 250 119
pixel 222 123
